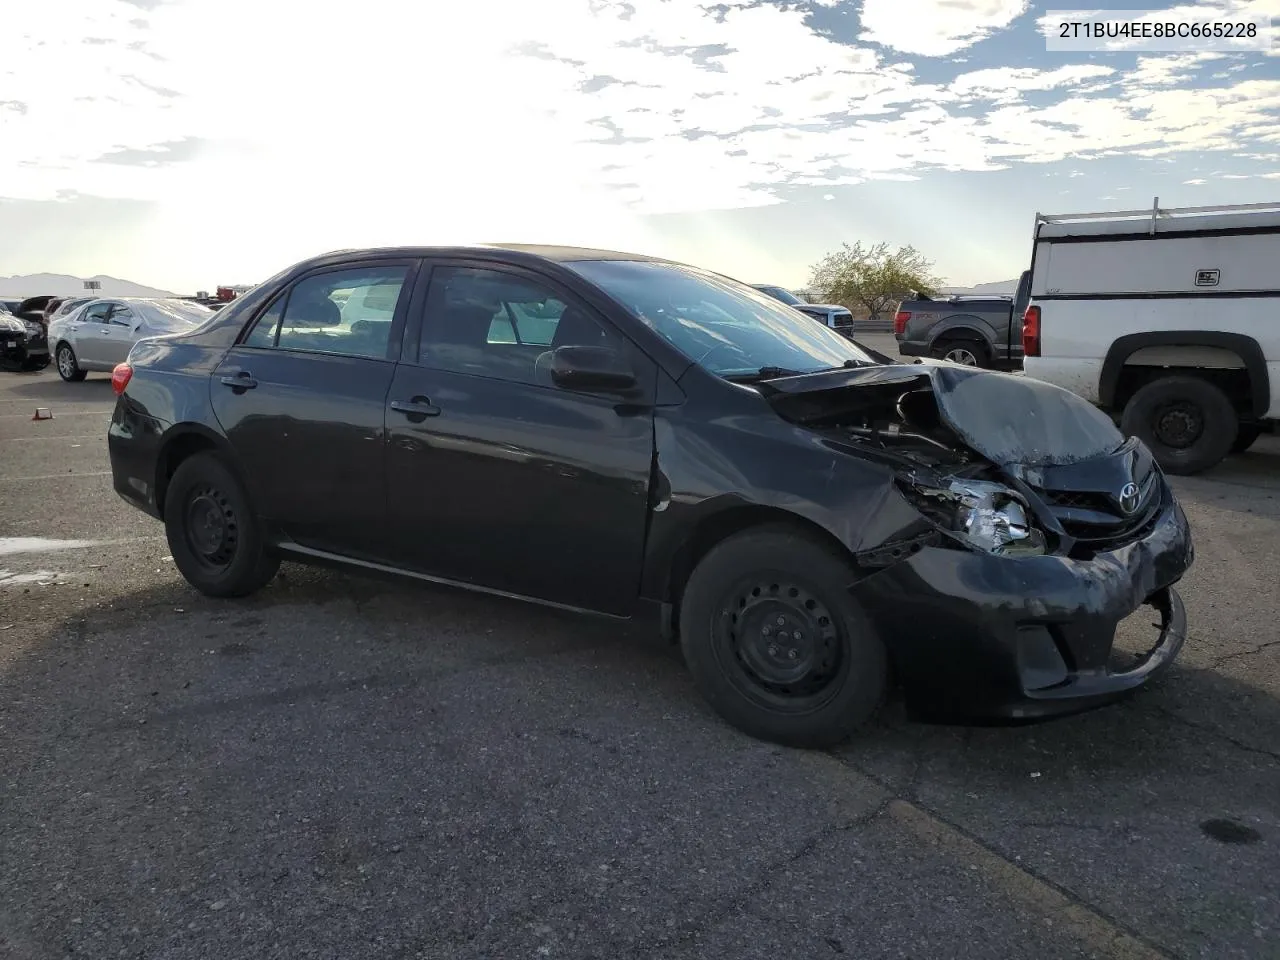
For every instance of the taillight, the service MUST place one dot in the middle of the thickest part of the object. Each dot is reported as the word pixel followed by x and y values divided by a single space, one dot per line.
pixel 900 322
pixel 120 377
pixel 1031 332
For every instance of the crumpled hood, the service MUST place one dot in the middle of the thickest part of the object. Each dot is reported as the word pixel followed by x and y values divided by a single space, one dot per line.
pixel 1009 419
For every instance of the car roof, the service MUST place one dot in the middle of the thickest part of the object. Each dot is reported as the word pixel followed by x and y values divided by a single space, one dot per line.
pixel 541 251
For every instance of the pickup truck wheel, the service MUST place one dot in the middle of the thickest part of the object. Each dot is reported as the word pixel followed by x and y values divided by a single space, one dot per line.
pixel 1189 424
pixel 1249 433
pixel 971 353
pixel 776 644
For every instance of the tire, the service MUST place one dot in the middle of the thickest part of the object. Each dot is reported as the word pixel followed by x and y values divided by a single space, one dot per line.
pixel 728 619
pixel 214 537
pixel 1246 437
pixel 1188 423
pixel 68 368
pixel 975 352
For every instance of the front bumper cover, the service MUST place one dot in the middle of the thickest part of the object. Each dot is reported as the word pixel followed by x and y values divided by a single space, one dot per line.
pixel 980 635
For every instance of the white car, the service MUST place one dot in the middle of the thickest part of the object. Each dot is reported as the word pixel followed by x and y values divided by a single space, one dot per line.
pixel 100 334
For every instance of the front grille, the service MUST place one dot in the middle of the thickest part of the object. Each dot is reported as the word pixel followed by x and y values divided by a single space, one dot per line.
pixel 1095 521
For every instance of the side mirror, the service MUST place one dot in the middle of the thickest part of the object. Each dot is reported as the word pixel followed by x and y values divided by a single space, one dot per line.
pixel 592 369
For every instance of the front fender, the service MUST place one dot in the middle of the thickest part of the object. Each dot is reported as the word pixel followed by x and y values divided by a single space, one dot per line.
pixel 715 478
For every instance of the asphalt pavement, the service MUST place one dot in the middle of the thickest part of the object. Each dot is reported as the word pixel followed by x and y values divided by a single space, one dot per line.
pixel 344 767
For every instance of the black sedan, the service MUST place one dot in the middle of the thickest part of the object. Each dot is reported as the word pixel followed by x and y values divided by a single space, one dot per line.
pixel 619 434
pixel 24 341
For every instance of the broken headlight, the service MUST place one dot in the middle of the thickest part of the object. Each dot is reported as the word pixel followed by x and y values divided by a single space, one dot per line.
pixel 987 516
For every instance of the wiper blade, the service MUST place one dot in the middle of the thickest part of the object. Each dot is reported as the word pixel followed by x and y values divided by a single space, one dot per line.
pixel 764 373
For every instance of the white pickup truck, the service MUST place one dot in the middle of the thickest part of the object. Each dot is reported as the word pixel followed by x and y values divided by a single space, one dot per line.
pixel 1168 318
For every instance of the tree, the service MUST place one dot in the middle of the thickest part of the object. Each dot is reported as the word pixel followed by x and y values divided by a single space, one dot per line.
pixel 873 277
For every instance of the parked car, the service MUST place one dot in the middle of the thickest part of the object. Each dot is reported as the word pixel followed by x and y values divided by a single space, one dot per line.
pixel 1166 319
pixel 100 333
pixel 23 345
pixel 65 307
pixel 831 315
pixel 974 331
pixel 807 522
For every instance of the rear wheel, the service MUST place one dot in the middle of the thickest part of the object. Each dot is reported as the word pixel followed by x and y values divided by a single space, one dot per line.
pixel 776 644
pixel 216 541
pixel 970 353
pixel 68 368
pixel 1248 435
pixel 1188 422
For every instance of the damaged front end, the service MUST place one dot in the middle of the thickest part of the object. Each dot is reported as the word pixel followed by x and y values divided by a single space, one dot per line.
pixel 1046 529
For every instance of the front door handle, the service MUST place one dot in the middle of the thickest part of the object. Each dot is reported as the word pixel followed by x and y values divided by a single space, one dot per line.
pixel 416 409
pixel 241 381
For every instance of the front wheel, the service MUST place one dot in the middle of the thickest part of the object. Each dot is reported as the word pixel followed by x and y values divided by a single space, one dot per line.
pixel 775 643
pixel 68 368
pixel 1188 422
pixel 214 537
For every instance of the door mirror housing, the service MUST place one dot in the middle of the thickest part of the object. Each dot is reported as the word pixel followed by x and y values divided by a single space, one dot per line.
pixel 592 369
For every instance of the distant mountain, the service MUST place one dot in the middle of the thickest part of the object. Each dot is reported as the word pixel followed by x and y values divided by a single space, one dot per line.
pixel 62 285
pixel 1000 288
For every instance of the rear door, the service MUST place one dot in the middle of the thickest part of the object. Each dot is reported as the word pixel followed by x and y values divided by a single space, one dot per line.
pixel 302 397
pixel 497 476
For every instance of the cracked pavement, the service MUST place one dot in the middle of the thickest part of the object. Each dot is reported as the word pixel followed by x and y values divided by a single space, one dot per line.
pixel 343 767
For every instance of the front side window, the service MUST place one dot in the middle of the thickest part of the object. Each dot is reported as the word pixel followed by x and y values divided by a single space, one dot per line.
pixel 496 324
pixel 121 316
pixel 347 312
pixel 97 313
pixel 726 327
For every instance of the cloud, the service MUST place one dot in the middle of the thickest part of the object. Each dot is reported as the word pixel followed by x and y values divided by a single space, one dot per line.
pixel 558 120
pixel 931 29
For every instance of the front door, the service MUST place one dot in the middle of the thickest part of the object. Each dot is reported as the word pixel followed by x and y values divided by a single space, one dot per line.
pixel 117 335
pixel 90 334
pixel 496 475
pixel 302 398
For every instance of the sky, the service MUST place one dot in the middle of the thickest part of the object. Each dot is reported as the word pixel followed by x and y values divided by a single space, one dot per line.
pixel 189 143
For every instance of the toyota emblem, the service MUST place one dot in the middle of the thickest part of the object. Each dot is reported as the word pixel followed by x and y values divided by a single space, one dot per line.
pixel 1129 497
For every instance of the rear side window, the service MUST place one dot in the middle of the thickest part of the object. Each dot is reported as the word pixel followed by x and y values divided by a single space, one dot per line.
pixel 264 330
pixel 345 312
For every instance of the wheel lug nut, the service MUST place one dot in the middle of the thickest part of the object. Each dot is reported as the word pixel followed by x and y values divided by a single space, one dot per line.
pixel 796 636
pixel 793 654
pixel 765 631
pixel 773 651
pixel 782 621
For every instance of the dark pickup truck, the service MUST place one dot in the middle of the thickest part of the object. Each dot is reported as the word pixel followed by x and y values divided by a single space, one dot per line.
pixel 975 331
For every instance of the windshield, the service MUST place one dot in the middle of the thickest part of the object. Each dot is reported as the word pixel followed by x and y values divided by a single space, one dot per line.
pixel 724 326
pixel 786 296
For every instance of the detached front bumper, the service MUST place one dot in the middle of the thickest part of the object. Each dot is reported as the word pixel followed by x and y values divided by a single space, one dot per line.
pixel 984 636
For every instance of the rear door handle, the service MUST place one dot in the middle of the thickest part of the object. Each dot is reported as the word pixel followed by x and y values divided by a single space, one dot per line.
pixel 417 408
pixel 241 381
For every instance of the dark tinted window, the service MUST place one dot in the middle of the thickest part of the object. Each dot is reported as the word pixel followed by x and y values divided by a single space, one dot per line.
pixel 347 312
pixel 495 324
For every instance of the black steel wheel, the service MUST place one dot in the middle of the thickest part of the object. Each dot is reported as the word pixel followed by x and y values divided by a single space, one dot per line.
pixel 1188 422
pixel 216 541
pixel 776 644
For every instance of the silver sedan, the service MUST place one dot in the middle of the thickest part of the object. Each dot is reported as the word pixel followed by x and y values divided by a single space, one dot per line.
pixel 100 334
